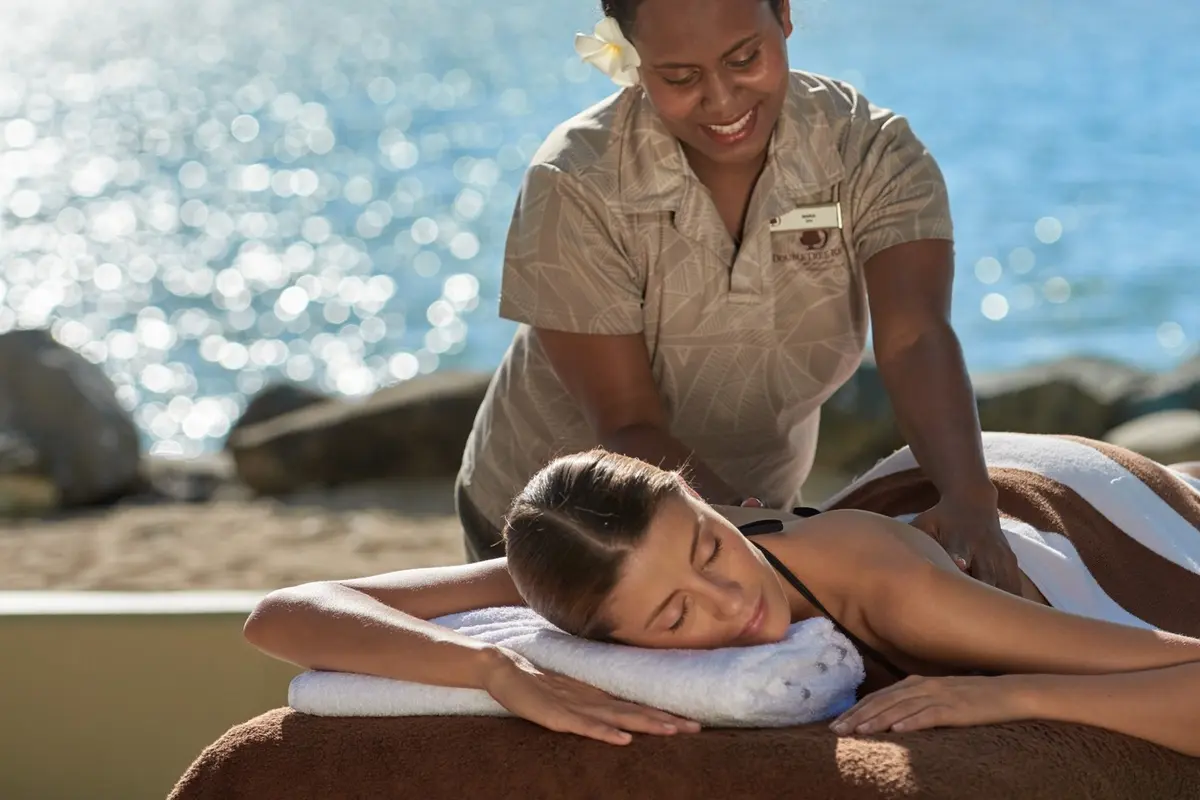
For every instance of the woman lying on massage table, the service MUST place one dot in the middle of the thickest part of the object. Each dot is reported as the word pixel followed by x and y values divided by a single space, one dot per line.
pixel 611 548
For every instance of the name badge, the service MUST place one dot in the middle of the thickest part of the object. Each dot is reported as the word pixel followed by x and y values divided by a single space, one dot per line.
pixel 809 218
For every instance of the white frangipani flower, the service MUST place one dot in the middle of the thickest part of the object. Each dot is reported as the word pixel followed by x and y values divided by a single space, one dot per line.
pixel 609 51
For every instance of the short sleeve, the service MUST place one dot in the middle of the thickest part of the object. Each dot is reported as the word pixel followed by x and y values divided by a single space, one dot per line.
pixel 899 193
pixel 563 266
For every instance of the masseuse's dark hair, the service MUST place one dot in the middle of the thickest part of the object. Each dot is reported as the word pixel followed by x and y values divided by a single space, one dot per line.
pixel 625 11
pixel 569 531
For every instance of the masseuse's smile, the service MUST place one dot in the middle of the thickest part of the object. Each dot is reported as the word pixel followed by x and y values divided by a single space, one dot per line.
pixel 740 129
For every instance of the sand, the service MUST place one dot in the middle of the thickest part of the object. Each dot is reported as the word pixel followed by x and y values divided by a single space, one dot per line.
pixel 234 541
pixel 237 541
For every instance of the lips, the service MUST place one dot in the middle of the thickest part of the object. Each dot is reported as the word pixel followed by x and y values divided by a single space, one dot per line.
pixel 734 132
pixel 755 623
pixel 734 125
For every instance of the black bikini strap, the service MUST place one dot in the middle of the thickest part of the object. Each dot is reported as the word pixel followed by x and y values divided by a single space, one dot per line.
pixel 775 526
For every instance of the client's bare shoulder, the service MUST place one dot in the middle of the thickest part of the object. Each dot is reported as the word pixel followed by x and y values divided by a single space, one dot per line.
pixel 856 543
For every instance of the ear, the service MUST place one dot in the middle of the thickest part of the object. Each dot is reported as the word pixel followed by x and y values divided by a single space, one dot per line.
pixel 785 17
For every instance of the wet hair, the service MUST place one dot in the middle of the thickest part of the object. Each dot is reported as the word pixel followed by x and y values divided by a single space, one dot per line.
pixel 625 12
pixel 569 531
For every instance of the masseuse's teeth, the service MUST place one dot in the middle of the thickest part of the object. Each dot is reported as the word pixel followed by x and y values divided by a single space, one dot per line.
pixel 729 130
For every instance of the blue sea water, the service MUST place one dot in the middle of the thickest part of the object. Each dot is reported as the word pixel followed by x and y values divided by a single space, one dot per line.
pixel 204 196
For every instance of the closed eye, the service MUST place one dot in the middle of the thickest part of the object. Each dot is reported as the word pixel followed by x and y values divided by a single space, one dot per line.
pixel 680 81
pixel 716 552
pixel 745 62
pixel 682 616
pixel 684 612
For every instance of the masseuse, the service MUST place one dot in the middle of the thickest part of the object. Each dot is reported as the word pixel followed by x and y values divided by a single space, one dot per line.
pixel 694 261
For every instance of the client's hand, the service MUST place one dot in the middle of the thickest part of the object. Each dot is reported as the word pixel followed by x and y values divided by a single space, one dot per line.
pixel 970 533
pixel 566 705
pixel 917 703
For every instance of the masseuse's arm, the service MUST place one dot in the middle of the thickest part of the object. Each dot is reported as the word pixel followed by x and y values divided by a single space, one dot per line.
pixel 1138 682
pixel 568 275
pixel 609 376
pixel 921 363
pixel 377 625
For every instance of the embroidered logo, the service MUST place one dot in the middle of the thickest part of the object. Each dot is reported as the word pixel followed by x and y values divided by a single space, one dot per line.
pixel 812 248
pixel 815 239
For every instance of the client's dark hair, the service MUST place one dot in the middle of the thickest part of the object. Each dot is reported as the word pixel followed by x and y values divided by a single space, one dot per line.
pixel 625 12
pixel 569 531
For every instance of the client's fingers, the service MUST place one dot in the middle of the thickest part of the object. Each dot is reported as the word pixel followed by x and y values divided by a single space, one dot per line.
pixel 682 723
pixel 636 718
pixel 592 728
pixel 597 698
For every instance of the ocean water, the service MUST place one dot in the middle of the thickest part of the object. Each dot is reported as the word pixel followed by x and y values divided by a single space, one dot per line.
pixel 205 196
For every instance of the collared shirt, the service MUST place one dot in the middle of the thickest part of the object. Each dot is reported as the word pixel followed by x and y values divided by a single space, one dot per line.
pixel 614 234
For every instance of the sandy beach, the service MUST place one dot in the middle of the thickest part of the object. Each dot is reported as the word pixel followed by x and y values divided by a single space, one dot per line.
pixel 234 542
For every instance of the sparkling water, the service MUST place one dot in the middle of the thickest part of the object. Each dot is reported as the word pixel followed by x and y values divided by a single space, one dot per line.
pixel 206 196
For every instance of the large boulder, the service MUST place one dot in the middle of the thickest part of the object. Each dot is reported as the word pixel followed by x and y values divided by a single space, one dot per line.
pixel 415 429
pixel 1077 396
pixel 1080 396
pixel 275 400
pixel 1168 437
pixel 23 489
pixel 69 442
pixel 1179 388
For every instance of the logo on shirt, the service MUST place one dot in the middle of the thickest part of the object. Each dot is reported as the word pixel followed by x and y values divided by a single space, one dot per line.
pixel 815 239
pixel 811 248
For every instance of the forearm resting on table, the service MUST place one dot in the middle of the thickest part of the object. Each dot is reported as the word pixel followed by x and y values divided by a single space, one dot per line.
pixel 926 378
pixel 325 626
pixel 655 445
pixel 1159 705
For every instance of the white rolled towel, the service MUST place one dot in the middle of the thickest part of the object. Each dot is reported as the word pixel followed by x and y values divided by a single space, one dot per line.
pixel 810 675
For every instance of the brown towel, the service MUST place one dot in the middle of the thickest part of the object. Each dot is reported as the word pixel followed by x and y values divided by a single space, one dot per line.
pixel 1136 578
pixel 286 755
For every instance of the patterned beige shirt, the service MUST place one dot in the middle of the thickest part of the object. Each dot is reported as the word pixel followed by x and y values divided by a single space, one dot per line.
pixel 614 234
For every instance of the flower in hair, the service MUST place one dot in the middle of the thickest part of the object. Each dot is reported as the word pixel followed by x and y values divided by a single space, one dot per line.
pixel 609 51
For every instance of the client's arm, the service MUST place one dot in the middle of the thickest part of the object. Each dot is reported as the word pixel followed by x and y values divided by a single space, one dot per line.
pixel 1139 682
pixel 378 626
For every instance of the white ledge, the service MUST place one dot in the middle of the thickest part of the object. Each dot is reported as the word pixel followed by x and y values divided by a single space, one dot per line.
pixel 31 603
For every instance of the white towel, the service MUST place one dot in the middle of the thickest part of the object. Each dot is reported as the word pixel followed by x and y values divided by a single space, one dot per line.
pixel 810 675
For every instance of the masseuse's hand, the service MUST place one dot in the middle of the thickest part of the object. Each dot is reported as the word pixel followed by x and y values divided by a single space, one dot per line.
pixel 970 533
pixel 568 706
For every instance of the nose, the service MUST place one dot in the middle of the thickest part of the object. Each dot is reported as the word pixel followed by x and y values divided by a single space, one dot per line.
pixel 720 93
pixel 727 598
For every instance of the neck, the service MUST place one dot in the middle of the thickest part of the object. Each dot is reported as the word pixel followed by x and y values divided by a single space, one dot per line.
pixel 711 172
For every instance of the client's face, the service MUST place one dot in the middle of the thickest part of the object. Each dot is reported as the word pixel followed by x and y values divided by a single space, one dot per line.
pixel 695 582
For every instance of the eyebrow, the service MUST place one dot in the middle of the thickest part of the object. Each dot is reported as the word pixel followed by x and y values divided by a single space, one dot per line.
pixel 742 43
pixel 691 560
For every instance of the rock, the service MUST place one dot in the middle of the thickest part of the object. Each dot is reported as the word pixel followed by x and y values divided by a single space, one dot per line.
pixel 64 410
pixel 1078 396
pixel 275 400
pixel 23 491
pixel 1168 437
pixel 415 429
pixel 1081 396
pixel 1177 389
pixel 189 480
